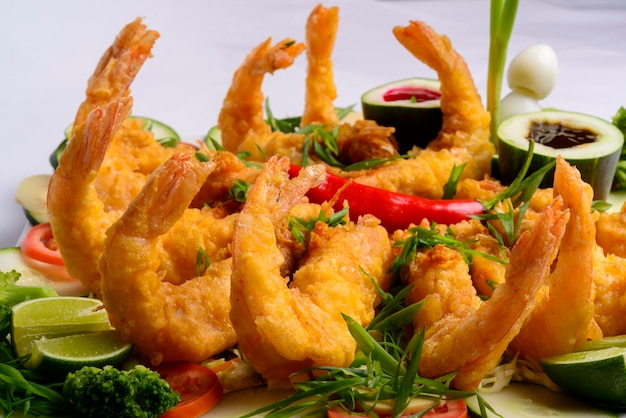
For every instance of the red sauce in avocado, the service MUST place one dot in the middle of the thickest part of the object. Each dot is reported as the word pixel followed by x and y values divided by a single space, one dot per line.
pixel 559 136
pixel 415 94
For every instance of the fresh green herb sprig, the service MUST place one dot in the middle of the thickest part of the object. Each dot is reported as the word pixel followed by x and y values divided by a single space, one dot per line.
pixel 301 228
pixel 385 368
pixel 517 196
pixel 449 189
pixel 421 237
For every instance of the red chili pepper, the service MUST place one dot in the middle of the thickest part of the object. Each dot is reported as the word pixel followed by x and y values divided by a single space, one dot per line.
pixel 395 210
pixel 407 93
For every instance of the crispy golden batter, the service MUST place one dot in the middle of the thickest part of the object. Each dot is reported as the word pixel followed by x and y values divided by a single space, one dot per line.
pixel 463 334
pixel 321 31
pixel 166 321
pixel 564 312
pixel 286 325
pixel 241 119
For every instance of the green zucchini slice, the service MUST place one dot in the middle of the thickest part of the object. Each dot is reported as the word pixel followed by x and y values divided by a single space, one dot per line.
pixel 591 144
pixel 412 106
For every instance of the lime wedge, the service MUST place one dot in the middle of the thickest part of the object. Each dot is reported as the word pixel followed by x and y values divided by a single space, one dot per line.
pixel 598 375
pixel 59 356
pixel 55 317
pixel 606 342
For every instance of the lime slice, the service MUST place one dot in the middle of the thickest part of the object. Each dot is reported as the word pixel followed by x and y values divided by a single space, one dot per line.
pixel 55 317
pixel 614 341
pixel 598 375
pixel 528 400
pixel 59 356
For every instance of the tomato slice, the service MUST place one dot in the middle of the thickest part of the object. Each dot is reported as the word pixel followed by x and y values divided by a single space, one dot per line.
pixel 39 244
pixel 198 387
pixel 451 409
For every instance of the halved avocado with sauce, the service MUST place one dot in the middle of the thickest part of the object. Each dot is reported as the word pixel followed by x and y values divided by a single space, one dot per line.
pixel 591 144
pixel 412 106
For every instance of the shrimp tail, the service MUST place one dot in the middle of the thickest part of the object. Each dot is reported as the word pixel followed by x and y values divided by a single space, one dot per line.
pixel 321 32
pixel 118 67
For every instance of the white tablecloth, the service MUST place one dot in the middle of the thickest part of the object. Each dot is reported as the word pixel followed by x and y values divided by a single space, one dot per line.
pixel 48 49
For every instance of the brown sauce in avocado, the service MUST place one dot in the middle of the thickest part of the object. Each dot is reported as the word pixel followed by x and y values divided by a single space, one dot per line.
pixel 559 136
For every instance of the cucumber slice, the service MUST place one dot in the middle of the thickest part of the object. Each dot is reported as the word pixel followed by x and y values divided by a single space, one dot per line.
pixel 11 258
pixel 213 138
pixel 32 195
pixel 528 400
pixel 417 121
pixel 596 160
pixel 56 154
pixel 163 134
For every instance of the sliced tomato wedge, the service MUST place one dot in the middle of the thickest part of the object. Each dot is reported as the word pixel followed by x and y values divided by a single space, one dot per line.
pixel 451 409
pixel 39 244
pixel 198 387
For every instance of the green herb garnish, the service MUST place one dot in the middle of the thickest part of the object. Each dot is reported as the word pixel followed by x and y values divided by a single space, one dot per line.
pixel 301 228
pixel 239 190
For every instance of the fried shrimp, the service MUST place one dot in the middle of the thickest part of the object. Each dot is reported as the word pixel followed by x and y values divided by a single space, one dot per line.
pixel 321 32
pixel 165 321
pixel 107 159
pixel 466 335
pixel 77 215
pixel 286 325
pixel 241 119
pixel 464 137
pixel 117 67
pixel 564 312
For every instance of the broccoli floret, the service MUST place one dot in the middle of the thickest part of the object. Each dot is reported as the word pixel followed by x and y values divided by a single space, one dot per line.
pixel 110 392
pixel 12 294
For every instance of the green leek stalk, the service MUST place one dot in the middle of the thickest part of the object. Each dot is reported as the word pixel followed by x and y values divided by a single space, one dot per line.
pixel 501 26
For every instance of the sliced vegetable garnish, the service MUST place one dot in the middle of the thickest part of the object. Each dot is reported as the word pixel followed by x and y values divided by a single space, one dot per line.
pixel 198 386
pixel 395 210
pixel 39 244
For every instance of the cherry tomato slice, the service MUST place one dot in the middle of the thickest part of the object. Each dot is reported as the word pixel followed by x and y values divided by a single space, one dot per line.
pixel 451 409
pixel 39 244
pixel 198 387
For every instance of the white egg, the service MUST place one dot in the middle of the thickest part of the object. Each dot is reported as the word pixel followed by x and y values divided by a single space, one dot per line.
pixel 516 103
pixel 534 71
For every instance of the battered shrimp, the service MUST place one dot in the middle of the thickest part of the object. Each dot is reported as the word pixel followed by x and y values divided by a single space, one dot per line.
pixel 564 313
pixel 611 232
pixel 464 334
pixel 165 321
pixel 76 213
pixel 117 67
pixel 241 119
pixel 286 325
pixel 106 161
pixel 321 32
pixel 464 137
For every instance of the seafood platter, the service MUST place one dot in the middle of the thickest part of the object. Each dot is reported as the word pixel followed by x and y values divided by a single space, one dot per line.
pixel 428 251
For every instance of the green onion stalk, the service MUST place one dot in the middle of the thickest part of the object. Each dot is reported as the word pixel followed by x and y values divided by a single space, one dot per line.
pixel 501 26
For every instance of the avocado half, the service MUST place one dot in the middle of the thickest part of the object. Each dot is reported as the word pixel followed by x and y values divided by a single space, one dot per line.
pixel 417 118
pixel 591 144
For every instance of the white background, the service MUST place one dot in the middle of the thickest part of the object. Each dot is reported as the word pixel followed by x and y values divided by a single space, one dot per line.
pixel 48 49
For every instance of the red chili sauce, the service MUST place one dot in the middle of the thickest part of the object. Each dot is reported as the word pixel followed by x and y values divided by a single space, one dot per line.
pixel 415 94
